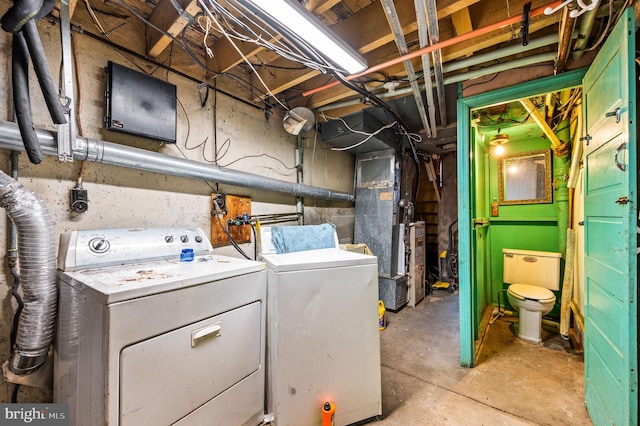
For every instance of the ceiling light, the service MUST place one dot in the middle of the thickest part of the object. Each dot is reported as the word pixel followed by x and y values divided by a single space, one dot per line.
pixel 499 139
pixel 294 17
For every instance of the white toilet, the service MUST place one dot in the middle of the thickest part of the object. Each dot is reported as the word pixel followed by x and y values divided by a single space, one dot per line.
pixel 531 275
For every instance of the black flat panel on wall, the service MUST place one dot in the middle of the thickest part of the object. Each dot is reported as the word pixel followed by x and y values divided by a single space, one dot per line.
pixel 140 104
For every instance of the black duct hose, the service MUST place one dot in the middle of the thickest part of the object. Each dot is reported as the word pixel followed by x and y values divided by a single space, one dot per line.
pixel 20 20
pixel 19 14
pixel 22 104
pixel 47 7
pixel 41 67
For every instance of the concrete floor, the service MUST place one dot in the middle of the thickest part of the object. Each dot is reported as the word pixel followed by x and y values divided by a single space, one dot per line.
pixel 513 383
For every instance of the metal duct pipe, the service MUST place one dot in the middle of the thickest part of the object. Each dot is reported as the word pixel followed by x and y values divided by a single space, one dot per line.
pixel 586 26
pixel 491 69
pixel 440 45
pixel 124 156
pixel 500 53
pixel 37 258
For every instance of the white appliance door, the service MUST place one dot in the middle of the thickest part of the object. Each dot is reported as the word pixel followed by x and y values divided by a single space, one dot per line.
pixel 155 386
pixel 323 343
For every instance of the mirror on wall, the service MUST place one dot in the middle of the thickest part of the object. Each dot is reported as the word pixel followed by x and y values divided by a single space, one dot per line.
pixel 525 178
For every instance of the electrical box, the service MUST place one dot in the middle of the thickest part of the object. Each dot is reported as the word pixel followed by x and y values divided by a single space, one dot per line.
pixel 231 207
pixel 140 104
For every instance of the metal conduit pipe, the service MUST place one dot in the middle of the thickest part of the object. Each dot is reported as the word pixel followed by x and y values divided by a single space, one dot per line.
pixel 491 69
pixel 105 152
pixel 440 45
pixel 500 53
pixel 582 38
pixel 37 258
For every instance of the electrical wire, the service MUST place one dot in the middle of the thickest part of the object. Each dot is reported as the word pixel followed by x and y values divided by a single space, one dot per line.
pixel 231 240
pixel 482 82
pixel 98 24
pixel 255 241
pixel 366 139
pixel 237 49
pixel 184 46
pixel 257 156
pixel 14 394
pixel 265 39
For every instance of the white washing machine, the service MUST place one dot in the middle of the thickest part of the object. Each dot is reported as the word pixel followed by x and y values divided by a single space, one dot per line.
pixel 323 341
pixel 146 339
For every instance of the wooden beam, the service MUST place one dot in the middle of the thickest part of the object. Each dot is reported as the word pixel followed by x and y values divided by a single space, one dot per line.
pixel 166 17
pixel 72 8
pixel 461 21
pixel 321 6
pixel 284 78
pixel 449 7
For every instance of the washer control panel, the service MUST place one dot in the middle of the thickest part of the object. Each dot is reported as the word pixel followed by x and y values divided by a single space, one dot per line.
pixel 105 247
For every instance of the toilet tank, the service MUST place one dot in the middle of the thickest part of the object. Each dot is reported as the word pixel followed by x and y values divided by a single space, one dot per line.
pixel 539 268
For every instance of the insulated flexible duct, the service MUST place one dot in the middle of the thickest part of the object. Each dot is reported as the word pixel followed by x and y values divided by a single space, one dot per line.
pixel 37 259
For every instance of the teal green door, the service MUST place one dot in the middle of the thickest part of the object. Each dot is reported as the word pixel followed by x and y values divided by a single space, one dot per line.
pixel 610 220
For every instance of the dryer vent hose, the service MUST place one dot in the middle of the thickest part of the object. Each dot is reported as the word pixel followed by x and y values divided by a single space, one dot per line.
pixel 37 260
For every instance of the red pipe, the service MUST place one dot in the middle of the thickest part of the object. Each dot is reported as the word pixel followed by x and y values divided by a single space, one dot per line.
pixel 440 45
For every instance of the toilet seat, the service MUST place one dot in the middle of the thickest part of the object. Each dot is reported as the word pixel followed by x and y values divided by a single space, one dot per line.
pixel 531 292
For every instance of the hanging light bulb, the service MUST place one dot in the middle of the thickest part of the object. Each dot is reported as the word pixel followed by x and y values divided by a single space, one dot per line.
pixel 499 139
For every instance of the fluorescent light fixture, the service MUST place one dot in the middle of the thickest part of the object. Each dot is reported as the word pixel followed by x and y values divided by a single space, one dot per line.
pixel 298 20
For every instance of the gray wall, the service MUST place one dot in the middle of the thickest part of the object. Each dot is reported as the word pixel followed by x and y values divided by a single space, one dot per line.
pixel 448 207
pixel 121 197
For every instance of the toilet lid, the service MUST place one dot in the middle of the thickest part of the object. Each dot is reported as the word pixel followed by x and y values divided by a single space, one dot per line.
pixel 532 292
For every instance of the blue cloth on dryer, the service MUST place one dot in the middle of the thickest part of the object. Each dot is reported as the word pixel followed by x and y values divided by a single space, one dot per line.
pixel 289 239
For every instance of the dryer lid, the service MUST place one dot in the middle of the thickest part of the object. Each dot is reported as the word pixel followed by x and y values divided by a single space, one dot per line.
pixel 532 292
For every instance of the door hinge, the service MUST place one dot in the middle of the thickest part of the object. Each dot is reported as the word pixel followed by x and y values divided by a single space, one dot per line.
pixel 480 222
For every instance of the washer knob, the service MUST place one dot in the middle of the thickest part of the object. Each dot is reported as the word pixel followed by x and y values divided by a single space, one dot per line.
pixel 168 238
pixel 184 238
pixel 99 245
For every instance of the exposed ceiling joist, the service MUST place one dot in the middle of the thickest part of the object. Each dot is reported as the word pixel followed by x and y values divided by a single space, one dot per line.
pixel 396 29
pixel 475 37
pixel 461 21
pixel 166 17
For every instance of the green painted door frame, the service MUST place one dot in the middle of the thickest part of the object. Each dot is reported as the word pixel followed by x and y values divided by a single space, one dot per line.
pixel 466 252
